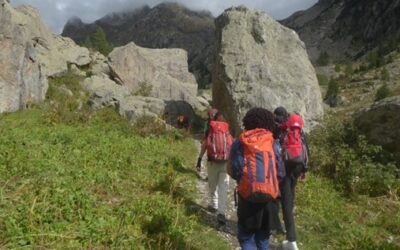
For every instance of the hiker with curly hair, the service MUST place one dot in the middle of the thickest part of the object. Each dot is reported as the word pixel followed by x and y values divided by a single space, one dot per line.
pixel 252 164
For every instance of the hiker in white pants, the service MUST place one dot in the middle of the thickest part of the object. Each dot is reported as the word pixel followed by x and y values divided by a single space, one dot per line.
pixel 217 142
pixel 218 183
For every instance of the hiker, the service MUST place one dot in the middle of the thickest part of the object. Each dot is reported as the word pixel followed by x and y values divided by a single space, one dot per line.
pixel 217 142
pixel 295 155
pixel 252 165
pixel 183 122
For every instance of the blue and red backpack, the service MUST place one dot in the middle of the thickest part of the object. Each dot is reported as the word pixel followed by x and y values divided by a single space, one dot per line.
pixel 258 177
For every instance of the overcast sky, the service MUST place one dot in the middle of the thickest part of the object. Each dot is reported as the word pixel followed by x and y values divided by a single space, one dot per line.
pixel 56 12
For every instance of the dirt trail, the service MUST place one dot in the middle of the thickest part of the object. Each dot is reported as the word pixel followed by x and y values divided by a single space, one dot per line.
pixel 228 232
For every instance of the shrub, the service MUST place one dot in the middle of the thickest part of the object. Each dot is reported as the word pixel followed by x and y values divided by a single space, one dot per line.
pixel 337 68
pixel 349 70
pixel 332 93
pixel 374 60
pixel 356 167
pixel 145 89
pixel 149 126
pixel 362 67
pixel 385 76
pixel 323 80
pixel 382 92
pixel 62 108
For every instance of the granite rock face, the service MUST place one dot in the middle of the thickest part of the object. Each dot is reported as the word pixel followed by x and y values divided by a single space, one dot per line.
pixel 158 73
pixel 29 53
pixel 261 63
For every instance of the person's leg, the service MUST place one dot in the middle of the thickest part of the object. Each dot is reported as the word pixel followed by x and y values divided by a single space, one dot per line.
pixel 287 208
pixel 246 239
pixel 288 196
pixel 297 170
pixel 223 184
pixel 212 173
pixel 261 239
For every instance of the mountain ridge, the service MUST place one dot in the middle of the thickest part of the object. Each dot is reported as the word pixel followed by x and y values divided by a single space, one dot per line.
pixel 347 29
pixel 167 25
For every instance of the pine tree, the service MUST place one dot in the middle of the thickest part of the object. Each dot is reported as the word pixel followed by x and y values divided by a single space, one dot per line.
pixel 332 94
pixel 100 42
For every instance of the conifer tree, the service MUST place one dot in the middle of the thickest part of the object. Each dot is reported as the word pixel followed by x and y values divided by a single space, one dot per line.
pixel 100 42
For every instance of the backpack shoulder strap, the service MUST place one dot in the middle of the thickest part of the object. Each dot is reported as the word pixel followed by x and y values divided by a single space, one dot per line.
pixel 237 160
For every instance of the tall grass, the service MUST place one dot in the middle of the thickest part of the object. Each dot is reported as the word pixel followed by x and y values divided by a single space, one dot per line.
pixel 71 177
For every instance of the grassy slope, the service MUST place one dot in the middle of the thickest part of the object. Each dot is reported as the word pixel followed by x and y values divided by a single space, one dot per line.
pixel 95 185
pixel 84 179
pixel 327 220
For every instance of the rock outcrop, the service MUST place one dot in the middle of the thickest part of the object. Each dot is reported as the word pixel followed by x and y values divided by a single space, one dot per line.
pixel 381 124
pixel 347 29
pixel 167 25
pixel 105 92
pixel 159 73
pixel 262 63
pixel 29 53
pixel 145 82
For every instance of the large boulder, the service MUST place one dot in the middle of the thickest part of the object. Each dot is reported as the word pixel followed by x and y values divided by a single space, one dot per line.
pixel 381 124
pixel 29 53
pixel 159 73
pixel 135 107
pixel 261 63
pixel 104 92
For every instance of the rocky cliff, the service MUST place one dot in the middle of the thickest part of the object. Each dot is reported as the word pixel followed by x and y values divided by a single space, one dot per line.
pixel 167 25
pixel 261 63
pixel 29 53
pixel 347 29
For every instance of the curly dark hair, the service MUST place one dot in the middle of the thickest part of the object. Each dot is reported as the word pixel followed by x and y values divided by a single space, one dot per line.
pixel 259 118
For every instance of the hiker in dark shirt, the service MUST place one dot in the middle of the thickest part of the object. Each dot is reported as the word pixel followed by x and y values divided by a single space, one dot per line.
pixel 292 173
pixel 258 211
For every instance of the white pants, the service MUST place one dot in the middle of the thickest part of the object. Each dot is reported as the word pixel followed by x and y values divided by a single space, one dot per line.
pixel 218 183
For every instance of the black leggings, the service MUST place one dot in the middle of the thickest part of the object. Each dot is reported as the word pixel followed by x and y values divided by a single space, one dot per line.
pixel 288 187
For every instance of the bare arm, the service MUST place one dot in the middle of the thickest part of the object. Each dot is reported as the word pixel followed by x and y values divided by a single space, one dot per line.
pixel 202 151
pixel 203 148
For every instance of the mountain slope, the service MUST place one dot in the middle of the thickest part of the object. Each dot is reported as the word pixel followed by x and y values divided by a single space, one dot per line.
pixel 167 25
pixel 347 29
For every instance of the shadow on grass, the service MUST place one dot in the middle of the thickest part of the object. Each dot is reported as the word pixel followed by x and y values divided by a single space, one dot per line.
pixel 209 218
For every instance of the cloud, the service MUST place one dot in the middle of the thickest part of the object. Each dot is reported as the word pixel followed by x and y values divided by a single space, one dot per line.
pixel 56 12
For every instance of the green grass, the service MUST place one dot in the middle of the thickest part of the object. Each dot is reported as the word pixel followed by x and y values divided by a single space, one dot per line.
pixel 96 184
pixel 326 220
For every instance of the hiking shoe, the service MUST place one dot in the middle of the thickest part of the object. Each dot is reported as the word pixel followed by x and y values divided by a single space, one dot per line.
pixel 221 219
pixel 211 209
pixel 289 245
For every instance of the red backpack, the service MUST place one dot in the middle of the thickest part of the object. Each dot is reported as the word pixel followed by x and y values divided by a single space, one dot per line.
pixel 259 182
pixel 294 147
pixel 219 141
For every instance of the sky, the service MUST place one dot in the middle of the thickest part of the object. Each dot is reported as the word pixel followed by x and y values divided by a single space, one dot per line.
pixel 57 12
